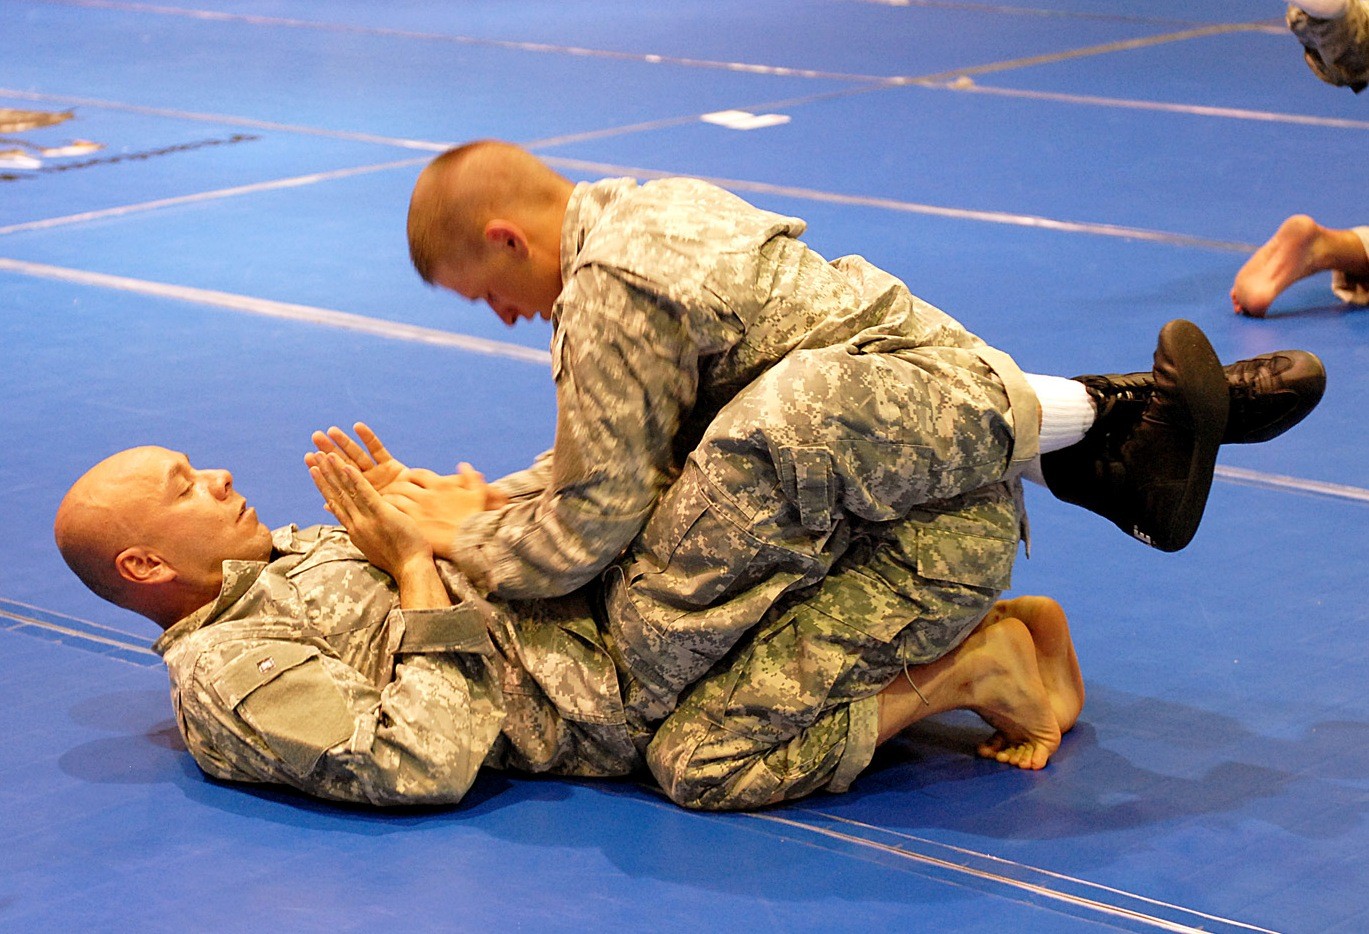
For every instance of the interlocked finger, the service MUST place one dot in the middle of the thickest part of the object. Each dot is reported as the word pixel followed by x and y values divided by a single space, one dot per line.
pixel 353 451
pixel 373 444
pixel 338 493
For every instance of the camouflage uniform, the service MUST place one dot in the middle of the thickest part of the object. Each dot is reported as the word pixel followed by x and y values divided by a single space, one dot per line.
pixel 835 555
pixel 867 416
pixel 779 487
pixel 1336 49
pixel 677 295
pixel 853 550
pixel 306 672
pixel 793 708
pixel 819 404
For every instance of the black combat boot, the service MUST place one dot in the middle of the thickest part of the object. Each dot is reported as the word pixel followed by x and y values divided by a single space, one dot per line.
pixel 1269 395
pixel 1150 475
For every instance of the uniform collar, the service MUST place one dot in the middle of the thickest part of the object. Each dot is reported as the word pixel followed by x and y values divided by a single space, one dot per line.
pixel 588 201
pixel 238 578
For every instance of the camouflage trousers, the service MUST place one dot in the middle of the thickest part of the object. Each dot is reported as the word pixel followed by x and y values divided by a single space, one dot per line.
pixel 827 446
pixel 793 708
pixel 1337 50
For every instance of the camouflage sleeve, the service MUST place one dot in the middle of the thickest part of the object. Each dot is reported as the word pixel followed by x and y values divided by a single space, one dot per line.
pixel 1336 48
pixel 529 483
pixel 625 373
pixel 291 712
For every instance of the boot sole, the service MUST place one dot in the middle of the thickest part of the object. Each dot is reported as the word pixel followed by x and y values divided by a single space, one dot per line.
pixel 1202 390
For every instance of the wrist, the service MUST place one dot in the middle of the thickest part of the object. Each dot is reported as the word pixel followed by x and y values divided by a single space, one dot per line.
pixel 420 585
pixel 416 566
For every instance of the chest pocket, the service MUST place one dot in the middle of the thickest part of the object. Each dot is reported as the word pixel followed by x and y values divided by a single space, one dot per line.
pixel 284 692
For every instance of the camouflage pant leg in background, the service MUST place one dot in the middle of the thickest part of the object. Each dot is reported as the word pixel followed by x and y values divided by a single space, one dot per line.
pixel 1348 288
pixel 1337 50
pixel 793 708
pixel 822 444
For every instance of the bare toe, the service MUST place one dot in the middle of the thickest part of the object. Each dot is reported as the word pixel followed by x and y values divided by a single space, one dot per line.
pixel 1012 698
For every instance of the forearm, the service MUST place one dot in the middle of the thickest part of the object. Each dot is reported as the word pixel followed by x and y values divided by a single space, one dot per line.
pixel 542 548
pixel 424 744
pixel 626 371
pixel 420 586
pixel 529 483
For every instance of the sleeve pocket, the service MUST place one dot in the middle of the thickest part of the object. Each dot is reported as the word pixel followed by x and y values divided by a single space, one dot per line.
pixel 806 475
pixel 453 629
pixel 284 692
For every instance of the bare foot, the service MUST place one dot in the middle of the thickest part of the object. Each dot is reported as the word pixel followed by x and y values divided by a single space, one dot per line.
pixel 1055 656
pixel 1008 692
pixel 1293 253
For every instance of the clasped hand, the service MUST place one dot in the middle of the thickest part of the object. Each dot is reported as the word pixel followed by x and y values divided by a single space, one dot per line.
pixel 387 537
pixel 436 504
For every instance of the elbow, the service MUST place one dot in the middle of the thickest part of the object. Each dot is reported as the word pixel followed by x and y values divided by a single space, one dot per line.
pixel 431 788
pixel 395 777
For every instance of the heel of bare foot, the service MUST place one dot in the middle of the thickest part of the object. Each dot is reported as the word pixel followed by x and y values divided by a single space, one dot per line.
pixel 1291 254
pixel 1056 660
pixel 1055 656
pixel 1011 697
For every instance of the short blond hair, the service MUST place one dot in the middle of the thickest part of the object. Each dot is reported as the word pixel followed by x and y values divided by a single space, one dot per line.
pixel 460 191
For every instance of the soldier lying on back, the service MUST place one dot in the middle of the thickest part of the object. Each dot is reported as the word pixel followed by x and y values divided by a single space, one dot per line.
pixel 356 667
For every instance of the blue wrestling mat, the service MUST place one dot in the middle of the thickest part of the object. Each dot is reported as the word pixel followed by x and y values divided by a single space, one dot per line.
pixel 201 246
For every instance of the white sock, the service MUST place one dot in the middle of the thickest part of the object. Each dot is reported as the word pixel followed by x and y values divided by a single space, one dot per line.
pixel 1066 410
pixel 1323 9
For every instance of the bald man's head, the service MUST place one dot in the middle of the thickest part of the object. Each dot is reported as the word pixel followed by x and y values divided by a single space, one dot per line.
pixel 93 524
pixel 148 532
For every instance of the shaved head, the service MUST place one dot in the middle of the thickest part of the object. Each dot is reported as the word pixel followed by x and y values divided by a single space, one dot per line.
pixel 148 532
pixel 98 519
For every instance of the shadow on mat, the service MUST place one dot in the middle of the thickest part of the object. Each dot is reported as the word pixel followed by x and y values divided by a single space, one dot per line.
pixel 1131 762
